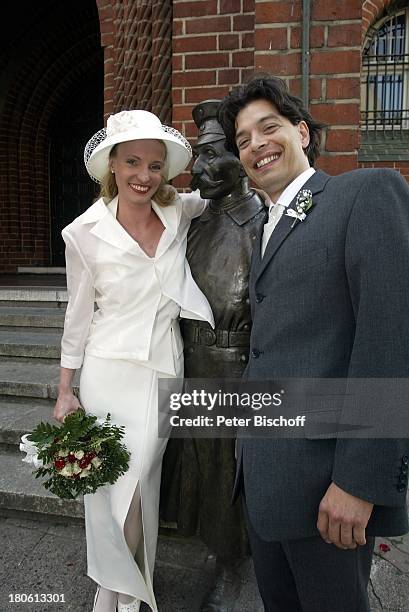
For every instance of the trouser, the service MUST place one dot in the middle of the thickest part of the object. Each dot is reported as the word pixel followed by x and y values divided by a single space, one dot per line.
pixel 308 575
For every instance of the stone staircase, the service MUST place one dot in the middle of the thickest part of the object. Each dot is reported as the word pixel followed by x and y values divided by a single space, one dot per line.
pixel 31 322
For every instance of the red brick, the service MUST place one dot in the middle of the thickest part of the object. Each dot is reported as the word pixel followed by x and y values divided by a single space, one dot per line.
pixel 182 181
pixel 212 24
pixel 325 10
pixel 229 6
pixel 228 41
pixel 317 37
pixel 248 6
pixel 333 62
pixel 343 88
pixel 337 164
pixel 242 23
pixel 246 74
pixel 248 40
pixel 191 44
pixel 107 40
pixel 278 12
pixel 182 113
pixel 271 39
pixel 345 35
pixel 342 140
pixel 205 93
pixel 228 77
pixel 197 8
pixel 279 64
pixel 243 58
pixel 177 27
pixel 294 86
pixel 207 60
pixel 190 130
pixel 315 89
pixel 336 114
pixel 177 62
pixel 194 78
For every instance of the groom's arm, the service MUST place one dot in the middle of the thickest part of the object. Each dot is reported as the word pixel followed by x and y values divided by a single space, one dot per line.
pixel 377 264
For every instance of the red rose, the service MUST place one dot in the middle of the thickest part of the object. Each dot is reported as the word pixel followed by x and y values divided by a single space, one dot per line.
pixel 59 463
pixel 89 456
pixel 84 462
pixel 71 458
pixel 384 548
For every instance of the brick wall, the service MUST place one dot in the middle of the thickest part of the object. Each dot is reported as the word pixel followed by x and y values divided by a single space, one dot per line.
pixel 335 45
pixel 213 50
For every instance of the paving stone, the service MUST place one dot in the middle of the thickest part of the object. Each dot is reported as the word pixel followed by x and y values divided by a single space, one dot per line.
pixel 395 556
pixel 390 586
pixel 46 558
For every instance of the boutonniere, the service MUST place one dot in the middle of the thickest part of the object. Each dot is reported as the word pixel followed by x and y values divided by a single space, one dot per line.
pixel 302 206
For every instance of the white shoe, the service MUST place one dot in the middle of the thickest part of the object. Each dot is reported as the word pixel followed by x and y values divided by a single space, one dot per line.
pixel 131 607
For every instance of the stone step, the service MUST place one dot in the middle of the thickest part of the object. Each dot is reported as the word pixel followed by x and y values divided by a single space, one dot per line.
pixel 19 416
pixel 29 343
pixel 19 316
pixel 33 294
pixel 21 491
pixel 33 378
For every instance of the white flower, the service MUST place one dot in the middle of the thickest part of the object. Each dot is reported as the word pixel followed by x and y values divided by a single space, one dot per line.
pixel 76 468
pixel 79 454
pixel 67 470
pixel 96 462
pixel 63 452
pixel 84 473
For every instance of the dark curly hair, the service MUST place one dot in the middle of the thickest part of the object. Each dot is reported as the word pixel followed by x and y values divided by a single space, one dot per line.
pixel 274 89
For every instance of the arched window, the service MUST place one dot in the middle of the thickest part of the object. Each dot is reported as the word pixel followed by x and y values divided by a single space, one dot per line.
pixel 385 77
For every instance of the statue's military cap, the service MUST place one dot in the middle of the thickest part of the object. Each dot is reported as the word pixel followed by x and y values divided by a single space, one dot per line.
pixel 205 117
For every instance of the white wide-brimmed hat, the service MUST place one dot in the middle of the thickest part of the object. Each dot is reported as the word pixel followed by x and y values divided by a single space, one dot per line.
pixel 136 125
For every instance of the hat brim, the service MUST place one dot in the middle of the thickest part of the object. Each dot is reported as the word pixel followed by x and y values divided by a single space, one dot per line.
pixel 177 155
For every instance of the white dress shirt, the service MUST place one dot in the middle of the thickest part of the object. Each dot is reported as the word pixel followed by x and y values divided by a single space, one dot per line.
pixel 138 297
pixel 276 210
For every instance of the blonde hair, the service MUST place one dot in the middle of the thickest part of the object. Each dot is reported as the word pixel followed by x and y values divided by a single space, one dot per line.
pixel 164 195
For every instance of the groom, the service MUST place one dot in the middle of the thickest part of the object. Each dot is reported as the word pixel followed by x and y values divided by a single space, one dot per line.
pixel 329 292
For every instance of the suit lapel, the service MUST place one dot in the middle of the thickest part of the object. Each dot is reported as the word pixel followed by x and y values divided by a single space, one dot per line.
pixel 285 226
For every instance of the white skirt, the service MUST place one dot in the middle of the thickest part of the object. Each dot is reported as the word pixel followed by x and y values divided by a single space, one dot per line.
pixel 129 392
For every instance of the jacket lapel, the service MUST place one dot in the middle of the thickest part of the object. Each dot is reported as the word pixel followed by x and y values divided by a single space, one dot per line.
pixel 107 228
pixel 285 226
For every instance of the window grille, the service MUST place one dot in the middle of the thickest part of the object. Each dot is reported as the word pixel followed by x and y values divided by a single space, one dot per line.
pixel 385 78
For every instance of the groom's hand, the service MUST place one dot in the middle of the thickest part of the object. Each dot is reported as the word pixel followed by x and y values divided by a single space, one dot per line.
pixel 342 518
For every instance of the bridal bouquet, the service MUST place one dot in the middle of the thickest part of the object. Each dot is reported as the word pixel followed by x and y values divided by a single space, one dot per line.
pixel 79 456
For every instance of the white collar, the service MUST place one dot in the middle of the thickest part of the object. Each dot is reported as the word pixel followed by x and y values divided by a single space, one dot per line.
pixel 291 190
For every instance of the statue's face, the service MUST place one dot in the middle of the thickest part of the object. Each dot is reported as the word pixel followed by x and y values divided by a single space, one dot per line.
pixel 215 172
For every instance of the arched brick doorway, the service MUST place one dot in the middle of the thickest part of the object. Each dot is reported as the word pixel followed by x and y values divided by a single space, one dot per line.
pixel 51 69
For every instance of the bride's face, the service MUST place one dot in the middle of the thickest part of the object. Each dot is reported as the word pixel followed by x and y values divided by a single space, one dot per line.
pixel 138 166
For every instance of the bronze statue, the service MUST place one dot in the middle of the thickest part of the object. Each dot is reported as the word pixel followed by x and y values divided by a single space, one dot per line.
pixel 220 244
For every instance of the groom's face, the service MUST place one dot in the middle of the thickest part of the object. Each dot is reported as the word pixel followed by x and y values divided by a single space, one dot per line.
pixel 271 148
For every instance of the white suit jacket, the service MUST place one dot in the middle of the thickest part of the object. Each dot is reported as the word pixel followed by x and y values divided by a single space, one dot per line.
pixel 132 291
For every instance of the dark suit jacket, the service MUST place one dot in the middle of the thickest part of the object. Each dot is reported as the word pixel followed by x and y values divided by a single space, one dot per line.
pixel 330 298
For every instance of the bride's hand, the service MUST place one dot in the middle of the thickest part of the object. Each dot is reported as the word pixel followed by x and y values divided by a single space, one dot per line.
pixel 65 404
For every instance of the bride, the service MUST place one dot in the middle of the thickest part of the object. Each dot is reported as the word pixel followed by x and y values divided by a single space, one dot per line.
pixel 127 254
